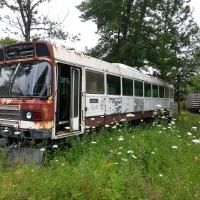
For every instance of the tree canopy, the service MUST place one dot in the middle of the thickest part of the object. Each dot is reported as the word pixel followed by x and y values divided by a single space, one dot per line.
pixel 30 23
pixel 141 33
pixel 6 41
pixel 160 35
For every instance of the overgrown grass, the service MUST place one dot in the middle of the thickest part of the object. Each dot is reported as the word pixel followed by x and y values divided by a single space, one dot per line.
pixel 144 162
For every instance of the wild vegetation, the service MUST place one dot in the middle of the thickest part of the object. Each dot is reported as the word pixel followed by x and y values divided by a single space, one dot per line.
pixel 159 161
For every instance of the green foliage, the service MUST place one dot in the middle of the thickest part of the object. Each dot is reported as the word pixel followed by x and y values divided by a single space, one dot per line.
pixel 6 41
pixel 150 33
pixel 30 24
pixel 194 85
pixel 146 33
pixel 159 162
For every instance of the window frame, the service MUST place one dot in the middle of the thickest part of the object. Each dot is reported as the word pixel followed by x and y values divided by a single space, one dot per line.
pixel 125 86
pixel 113 84
pixel 97 85
pixel 146 83
pixel 135 90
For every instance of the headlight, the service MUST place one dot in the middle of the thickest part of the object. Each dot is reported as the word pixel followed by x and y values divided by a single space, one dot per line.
pixel 28 115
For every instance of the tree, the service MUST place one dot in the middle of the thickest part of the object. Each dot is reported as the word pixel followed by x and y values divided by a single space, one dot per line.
pixel 137 33
pixel 6 41
pixel 194 83
pixel 28 22
pixel 120 25
pixel 160 34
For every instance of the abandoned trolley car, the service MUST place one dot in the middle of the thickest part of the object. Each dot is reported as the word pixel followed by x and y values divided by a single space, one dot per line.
pixel 52 92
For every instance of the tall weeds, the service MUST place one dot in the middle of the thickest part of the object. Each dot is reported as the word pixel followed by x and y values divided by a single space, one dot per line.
pixel 144 162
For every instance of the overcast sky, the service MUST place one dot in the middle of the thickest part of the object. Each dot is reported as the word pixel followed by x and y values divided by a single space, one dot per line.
pixel 87 29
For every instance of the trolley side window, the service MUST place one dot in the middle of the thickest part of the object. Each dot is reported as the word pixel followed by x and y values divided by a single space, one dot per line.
pixel 113 85
pixel 161 92
pixel 127 85
pixel 19 51
pixel 42 50
pixel 166 92
pixel 138 88
pixel 171 93
pixel 155 91
pixel 1 55
pixel 94 82
pixel 147 89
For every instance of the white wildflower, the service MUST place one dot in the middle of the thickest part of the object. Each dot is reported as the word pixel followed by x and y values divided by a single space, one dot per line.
pixel 42 149
pixel 152 152
pixel 125 159
pixel 196 141
pixel 133 156
pixel 106 125
pixel 130 115
pixel 160 175
pixel 189 133
pixel 194 128
pixel 55 146
pixel 174 147
pixel 67 127
pixel 179 136
pixel 122 120
pixel 111 139
pixel 129 151
pixel 17 133
pixel 120 139
pixel 119 153
pixel 93 142
pixel 114 127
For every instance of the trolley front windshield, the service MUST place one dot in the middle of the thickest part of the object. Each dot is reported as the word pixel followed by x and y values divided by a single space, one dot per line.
pixel 27 79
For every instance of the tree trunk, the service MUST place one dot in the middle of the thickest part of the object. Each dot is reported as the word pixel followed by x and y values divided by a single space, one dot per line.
pixel 179 106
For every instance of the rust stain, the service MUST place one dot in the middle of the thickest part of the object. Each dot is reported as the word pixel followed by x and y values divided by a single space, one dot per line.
pixel 46 106
pixel 43 125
